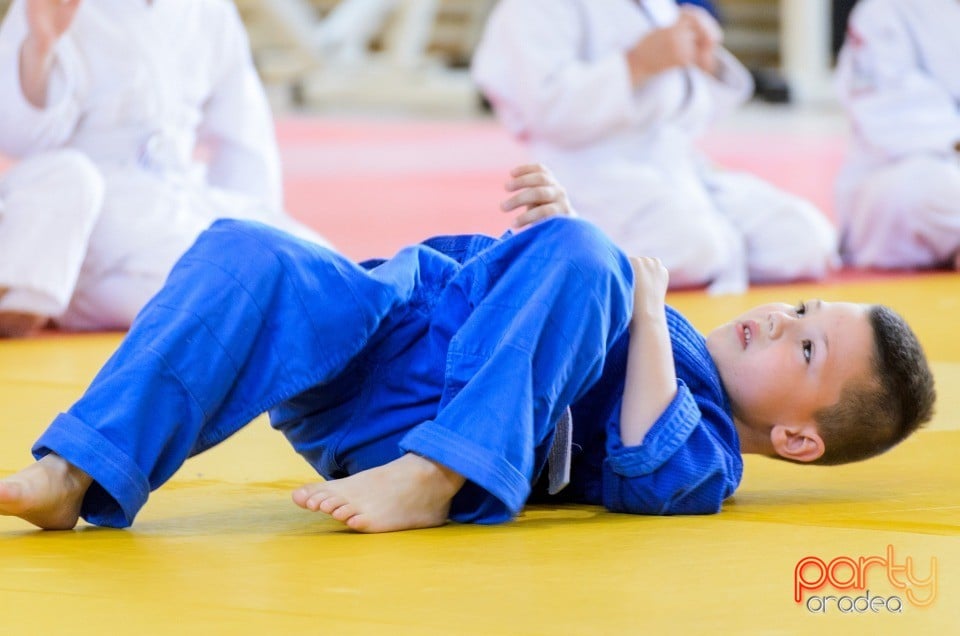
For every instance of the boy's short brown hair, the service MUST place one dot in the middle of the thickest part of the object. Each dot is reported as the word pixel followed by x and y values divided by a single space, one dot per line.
pixel 874 415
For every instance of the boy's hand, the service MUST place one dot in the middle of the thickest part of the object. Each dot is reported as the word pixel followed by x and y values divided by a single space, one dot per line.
pixel 650 281
pixel 538 191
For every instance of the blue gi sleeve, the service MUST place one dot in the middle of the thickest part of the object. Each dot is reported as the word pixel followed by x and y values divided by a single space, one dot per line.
pixel 685 464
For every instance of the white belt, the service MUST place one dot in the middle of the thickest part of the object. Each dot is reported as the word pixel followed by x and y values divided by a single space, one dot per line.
pixel 558 459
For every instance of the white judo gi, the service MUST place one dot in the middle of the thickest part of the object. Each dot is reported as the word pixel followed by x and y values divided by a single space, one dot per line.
pixel 557 75
pixel 898 76
pixel 111 188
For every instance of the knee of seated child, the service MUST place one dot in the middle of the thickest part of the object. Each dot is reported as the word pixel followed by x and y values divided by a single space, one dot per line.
pixel 703 254
pixel 70 172
pixel 802 243
pixel 77 174
pixel 910 184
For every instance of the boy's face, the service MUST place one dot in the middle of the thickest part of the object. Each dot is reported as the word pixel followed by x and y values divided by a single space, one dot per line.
pixel 780 364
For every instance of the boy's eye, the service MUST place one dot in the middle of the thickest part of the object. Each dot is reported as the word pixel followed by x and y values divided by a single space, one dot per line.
pixel 807 351
pixel 801 308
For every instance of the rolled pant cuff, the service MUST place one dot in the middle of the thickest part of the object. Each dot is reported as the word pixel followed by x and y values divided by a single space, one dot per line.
pixel 119 490
pixel 476 464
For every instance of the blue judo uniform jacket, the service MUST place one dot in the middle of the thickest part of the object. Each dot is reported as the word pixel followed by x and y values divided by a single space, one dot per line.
pixel 463 349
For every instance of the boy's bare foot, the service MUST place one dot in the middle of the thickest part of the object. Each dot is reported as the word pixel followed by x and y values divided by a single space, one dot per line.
pixel 48 493
pixel 409 492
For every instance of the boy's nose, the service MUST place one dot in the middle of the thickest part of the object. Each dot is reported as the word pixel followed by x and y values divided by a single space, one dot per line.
pixel 778 321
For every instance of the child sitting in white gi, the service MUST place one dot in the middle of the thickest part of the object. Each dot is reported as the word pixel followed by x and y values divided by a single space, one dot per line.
pixel 105 103
pixel 612 95
pixel 898 192
pixel 440 384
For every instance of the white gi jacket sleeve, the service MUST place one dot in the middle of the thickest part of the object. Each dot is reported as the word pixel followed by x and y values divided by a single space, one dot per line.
pixel 25 129
pixel 237 123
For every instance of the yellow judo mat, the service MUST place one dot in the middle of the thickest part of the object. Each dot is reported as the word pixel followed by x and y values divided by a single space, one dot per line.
pixel 872 548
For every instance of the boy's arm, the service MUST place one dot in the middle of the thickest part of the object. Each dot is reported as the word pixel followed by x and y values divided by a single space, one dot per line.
pixel 651 383
pixel 689 459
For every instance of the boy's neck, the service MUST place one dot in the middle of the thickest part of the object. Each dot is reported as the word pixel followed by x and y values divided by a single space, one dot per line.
pixel 753 441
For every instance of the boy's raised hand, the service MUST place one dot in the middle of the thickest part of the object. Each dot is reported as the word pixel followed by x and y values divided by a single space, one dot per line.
pixel 538 191
pixel 650 281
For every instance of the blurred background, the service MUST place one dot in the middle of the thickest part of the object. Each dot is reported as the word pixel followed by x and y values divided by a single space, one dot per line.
pixel 411 56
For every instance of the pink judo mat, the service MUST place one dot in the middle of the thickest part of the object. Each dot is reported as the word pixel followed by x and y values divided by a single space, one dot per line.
pixel 372 186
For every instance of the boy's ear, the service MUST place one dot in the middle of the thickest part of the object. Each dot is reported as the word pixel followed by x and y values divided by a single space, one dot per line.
pixel 797 442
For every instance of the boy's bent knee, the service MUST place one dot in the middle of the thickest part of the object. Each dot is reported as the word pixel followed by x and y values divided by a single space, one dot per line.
pixel 587 263
pixel 233 240
pixel 577 242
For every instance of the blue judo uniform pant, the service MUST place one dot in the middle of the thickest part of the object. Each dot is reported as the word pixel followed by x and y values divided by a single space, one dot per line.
pixel 464 350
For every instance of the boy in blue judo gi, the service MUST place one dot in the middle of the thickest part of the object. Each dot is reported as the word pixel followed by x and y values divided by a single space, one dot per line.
pixel 440 384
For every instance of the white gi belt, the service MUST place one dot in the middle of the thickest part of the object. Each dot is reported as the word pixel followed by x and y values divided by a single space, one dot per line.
pixel 166 151
pixel 558 459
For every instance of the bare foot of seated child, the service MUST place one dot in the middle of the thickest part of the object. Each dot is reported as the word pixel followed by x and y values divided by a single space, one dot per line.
pixel 48 493
pixel 408 493
pixel 17 324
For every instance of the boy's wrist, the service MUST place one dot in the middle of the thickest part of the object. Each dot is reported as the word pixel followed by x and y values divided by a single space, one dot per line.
pixel 645 310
